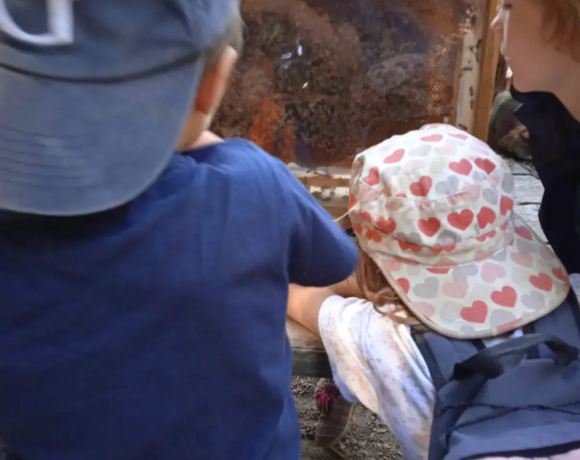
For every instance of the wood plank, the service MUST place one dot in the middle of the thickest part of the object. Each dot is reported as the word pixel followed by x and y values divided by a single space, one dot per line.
pixel 528 190
pixel 488 69
pixel 521 169
pixel 309 356
pixel 301 338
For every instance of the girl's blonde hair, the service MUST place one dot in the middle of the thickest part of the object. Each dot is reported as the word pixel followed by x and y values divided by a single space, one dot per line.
pixel 563 18
pixel 376 289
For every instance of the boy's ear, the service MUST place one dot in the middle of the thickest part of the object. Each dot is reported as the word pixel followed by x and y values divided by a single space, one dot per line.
pixel 214 82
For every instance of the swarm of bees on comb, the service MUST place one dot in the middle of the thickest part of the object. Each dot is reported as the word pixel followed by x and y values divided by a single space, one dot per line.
pixel 321 80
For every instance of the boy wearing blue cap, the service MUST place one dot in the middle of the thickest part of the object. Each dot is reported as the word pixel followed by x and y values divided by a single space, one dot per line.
pixel 143 299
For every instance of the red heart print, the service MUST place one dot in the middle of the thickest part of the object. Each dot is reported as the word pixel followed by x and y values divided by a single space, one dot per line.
pixel 404 283
pixel 438 271
pixel 357 228
pixel 559 273
pixel 387 226
pixel 504 226
pixel 365 216
pixel 525 233
pixel 485 236
pixel 542 282
pixel 395 157
pixel 400 195
pixel 432 138
pixel 440 249
pixel 429 227
pixel 485 217
pixel 463 137
pixel 461 220
pixel 409 246
pixel 446 262
pixel 423 187
pixel 506 204
pixel 373 178
pixel 352 201
pixel 477 313
pixel 507 297
pixel 486 165
pixel 462 167
pixel 374 236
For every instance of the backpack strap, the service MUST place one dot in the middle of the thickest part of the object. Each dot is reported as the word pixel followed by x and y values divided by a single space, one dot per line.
pixel 523 393
pixel 503 357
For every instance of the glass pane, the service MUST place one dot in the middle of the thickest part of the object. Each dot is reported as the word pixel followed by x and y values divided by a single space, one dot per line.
pixel 320 80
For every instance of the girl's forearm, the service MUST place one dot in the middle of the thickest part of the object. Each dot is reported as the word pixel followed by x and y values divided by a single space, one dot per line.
pixel 304 304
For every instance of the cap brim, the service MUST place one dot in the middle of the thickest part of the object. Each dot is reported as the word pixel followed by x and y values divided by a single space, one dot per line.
pixel 79 148
pixel 486 298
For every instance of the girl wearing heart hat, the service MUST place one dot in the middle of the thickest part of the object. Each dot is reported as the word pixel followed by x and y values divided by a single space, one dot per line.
pixel 442 250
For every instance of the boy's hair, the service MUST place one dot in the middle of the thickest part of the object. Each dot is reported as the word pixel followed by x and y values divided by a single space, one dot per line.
pixel 564 17
pixel 377 290
pixel 233 36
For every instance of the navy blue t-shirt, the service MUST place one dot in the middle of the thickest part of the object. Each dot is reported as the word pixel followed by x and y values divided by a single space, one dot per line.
pixel 157 330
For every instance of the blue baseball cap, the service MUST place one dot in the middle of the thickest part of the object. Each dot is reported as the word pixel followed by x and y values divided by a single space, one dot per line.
pixel 94 95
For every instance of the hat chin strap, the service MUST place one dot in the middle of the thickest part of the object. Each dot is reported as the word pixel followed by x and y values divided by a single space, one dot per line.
pixel 337 220
pixel 60 25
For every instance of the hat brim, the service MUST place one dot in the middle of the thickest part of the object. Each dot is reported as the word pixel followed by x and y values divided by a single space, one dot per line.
pixel 79 148
pixel 489 297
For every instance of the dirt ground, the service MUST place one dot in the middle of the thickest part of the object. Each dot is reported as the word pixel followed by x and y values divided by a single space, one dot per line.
pixel 368 438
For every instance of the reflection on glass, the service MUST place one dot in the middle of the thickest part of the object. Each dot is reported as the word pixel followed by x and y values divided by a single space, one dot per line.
pixel 320 80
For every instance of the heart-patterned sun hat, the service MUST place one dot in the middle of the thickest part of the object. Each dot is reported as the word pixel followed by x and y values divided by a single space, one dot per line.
pixel 434 208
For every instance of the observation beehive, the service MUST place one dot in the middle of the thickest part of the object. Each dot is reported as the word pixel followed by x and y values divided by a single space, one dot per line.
pixel 320 80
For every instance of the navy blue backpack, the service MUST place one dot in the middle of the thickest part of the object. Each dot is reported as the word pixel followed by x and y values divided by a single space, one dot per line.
pixel 518 398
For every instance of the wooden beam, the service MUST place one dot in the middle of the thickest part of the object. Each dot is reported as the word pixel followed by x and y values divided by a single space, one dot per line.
pixel 488 69
pixel 310 359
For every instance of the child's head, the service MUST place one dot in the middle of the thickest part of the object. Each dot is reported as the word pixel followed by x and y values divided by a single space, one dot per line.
pixel 220 59
pixel 95 95
pixel 541 41
pixel 433 213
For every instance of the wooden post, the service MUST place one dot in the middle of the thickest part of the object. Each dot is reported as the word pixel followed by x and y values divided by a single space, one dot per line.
pixel 488 69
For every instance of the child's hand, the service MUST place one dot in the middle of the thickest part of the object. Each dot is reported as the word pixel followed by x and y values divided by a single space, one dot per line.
pixel 207 138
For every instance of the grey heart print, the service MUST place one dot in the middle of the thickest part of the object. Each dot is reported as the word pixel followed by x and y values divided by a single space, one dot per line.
pixel 453 142
pixel 500 256
pixel 526 247
pixel 507 184
pixel 414 238
pixel 448 186
pixel 448 237
pixel 461 273
pixel 428 289
pixel 392 171
pixel 479 176
pixel 420 151
pixel 535 300
pixel 491 195
pixel 501 318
